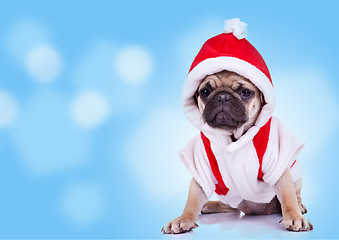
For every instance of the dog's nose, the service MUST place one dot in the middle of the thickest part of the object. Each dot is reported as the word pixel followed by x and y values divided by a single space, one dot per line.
pixel 223 97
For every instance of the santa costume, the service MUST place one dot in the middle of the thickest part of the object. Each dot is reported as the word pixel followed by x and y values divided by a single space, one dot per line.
pixel 248 168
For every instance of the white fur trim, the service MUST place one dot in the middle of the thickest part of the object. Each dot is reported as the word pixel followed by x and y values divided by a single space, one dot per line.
pixel 215 65
pixel 194 157
pixel 283 148
pixel 235 26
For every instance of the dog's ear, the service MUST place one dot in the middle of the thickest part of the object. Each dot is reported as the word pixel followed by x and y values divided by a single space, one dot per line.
pixel 262 98
pixel 196 95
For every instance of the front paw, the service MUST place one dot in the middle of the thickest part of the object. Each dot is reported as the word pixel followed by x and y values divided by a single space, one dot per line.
pixel 181 224
pixel 296 223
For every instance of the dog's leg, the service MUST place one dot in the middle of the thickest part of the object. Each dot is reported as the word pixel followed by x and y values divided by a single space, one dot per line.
pixel 298 186
pixel 292 218
pixel 217 207
pixel 186 222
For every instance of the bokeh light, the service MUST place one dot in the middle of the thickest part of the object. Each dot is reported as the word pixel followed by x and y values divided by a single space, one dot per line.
pixel 44 63
pixel 134 64
pixel 89 109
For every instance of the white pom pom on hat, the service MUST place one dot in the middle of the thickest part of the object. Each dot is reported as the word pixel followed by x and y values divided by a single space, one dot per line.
pixel 235 26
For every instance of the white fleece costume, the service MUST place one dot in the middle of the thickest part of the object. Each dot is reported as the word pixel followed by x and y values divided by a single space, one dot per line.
pixel 248 168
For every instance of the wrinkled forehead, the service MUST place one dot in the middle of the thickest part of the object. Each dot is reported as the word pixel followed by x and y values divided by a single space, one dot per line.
pixel 227 79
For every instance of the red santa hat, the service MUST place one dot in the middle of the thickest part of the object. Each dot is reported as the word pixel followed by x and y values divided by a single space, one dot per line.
pixel 229 51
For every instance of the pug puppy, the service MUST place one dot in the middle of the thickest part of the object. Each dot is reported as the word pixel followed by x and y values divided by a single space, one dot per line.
pixel 232 103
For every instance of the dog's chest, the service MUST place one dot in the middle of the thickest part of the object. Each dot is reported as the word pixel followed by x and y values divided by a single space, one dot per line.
pixel 239 169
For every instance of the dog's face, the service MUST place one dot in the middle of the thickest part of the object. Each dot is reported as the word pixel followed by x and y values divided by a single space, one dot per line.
pixel 229 101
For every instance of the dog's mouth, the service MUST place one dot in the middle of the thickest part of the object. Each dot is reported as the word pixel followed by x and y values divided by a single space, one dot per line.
pixel 224 120
pixel 225 116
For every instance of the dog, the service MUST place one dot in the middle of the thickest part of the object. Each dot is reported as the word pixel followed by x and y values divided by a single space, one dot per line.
pixel 229 101
pixel 243 154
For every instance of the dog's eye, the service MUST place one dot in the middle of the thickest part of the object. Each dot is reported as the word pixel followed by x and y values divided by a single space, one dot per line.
pixel 204 92
pixel 245 94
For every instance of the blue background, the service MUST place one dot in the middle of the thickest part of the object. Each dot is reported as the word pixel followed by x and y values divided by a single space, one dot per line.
pixel 121 178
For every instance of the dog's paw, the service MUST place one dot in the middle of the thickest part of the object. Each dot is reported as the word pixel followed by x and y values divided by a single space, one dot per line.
pixel 296 223
pixel 181 224
pixel 211 207
pixel 217 207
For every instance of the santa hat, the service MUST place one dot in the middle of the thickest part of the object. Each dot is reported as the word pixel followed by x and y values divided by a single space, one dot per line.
pixel 232 52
